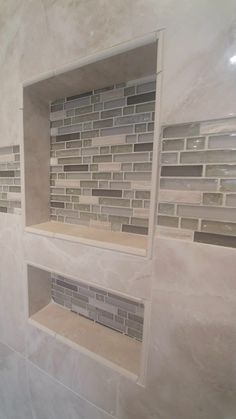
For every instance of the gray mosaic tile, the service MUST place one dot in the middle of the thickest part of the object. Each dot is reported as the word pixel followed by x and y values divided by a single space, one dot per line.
pixel 109 153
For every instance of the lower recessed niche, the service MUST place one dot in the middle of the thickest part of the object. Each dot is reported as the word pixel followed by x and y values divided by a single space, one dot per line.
pixel 104 324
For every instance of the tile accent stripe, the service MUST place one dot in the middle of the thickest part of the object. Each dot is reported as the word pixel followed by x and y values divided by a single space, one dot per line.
pixel 121 314
pixel 101 157
pixel 198 180
pixel 10 182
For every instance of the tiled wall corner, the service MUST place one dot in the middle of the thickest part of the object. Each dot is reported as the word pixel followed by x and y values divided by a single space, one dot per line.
pixel 198 180
pixel 118 313
pixel 10 183
pixel 101 157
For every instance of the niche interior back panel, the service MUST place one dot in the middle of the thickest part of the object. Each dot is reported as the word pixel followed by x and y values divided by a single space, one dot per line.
pixel 10 183
pixel 118 313
pixel 101 157
pixel 198 180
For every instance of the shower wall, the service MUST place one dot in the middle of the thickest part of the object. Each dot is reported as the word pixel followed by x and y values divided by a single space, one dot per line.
pixel 190 286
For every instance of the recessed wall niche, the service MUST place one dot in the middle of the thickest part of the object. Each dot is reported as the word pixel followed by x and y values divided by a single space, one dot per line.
pixel 100 322
pixel 88 141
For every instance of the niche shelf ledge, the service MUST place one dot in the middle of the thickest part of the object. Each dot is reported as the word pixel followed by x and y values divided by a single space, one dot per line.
pixel 101 343
pixel 122 242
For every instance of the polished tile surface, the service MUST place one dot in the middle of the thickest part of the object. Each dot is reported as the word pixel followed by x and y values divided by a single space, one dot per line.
pixel 191 371
pixel 28 393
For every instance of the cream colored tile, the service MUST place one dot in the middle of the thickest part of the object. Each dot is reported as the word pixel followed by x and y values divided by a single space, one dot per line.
pixel 140 185
pixel 7 158
pixel 141 212
pixel 87 199
pixel 67 183
pixel 13 196
pixel 180 196
pixel 109 167
pixel 109 140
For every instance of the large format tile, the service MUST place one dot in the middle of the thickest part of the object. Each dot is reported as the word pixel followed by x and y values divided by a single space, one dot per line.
pixel 12 287
pixel 79 372
pixel 191 368
pixel 28 393
pixel 113 270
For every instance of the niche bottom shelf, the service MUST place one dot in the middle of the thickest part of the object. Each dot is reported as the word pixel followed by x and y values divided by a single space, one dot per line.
pixel 123 242
pixel 100 342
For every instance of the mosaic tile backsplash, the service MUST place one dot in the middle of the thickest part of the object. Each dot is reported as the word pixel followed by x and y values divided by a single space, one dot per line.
pixel 118 313
pixel 198 180
pixel 10 183
pixel 101 157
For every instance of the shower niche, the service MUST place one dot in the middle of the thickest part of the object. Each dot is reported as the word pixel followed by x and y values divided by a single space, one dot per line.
pixel 89 142
pixel 99 322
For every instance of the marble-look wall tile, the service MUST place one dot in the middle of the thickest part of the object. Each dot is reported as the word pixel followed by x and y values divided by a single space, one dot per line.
pixel 112 270
pixel 191 371
pixel 28 393
pixel 12 286
pixel 199 83
pixel 86 377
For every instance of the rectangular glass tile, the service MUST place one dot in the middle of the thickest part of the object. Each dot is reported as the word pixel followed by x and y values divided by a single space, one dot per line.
pixel 83 110
pixel 133 119
pixel 195 143
pixel 167 221
pixel 131 157
pixel 218 227
pixel 143 167
pixel 228 185
pixel 143 147
pixel 189 223
pixel 231 200
pixel 146 107
pixel 75 168
pixel 68 137
pixel 181 171
pixel 215 239
pixel 185 130
pixel 124 129
pixel 212 199
pixel 169 158
pixel 111 113
pixel 223 170
pixel 145 97
pixel 146 87
pixel 115 202
pixel 116 103
pixel 212 213
pixel 212 156
pixel 222 141
pixel 107 192
pixel 173 145
pixel 168 209
pixel 77 103
pixel 134 229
